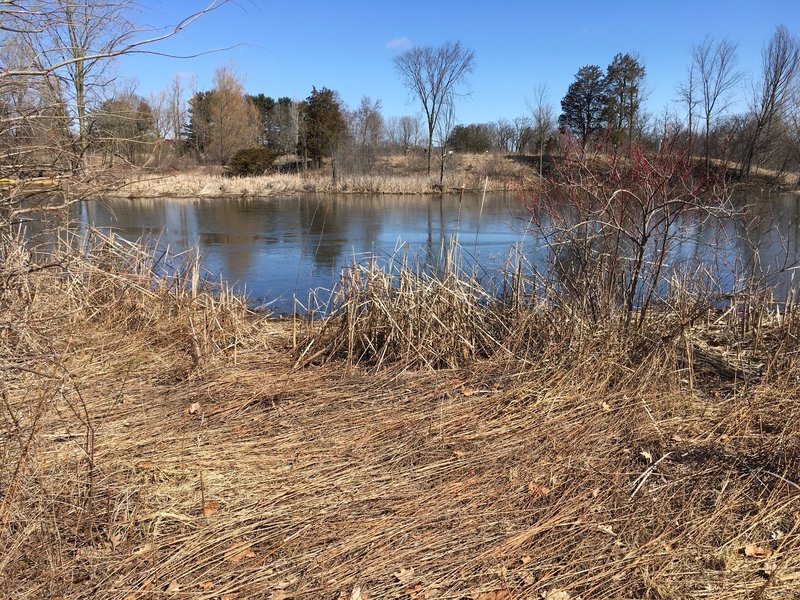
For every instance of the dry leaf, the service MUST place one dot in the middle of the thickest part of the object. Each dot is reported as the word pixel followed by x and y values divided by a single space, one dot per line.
pixel 459 453
pixel 206 586
pixel 756 551
pixel 536 490
pixel 467 391
pixel 404 575
pixel 173 587
pixel 595 492
pixel 210 508
pixel 357 594
pixel 238 552
pixel 605 406
pixel 194 407
pixel 556 595
pixel 415 591
pixel 606 529
pixel 648 457
pixel 770 567
pixel 147 585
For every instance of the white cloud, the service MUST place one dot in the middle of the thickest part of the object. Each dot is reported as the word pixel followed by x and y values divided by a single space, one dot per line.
pixel 401 43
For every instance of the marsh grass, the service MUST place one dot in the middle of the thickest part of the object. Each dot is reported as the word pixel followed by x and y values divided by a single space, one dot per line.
pixel 394 175
pixel 159 441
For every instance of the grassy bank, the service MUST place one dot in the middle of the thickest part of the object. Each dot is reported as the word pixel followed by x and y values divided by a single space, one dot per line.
pixel 160 441
pixel 390 175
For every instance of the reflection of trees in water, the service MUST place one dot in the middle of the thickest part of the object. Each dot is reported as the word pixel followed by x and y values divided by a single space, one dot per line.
pixel 241 226
pixel 269 242
pixel 761 241
pixel 335 226
pixel 767 241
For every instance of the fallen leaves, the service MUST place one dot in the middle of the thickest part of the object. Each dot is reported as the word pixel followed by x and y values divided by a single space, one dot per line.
pixel 210 508
pixel 556 595
pixel 537 490
pixel 753 551
pixel 194 408
pixel 238 552
pixel 357 594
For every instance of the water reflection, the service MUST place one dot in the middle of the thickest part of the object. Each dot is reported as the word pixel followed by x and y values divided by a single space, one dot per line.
pixel 277 248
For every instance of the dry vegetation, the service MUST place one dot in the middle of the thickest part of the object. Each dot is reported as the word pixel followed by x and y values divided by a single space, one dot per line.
pixel 159 441
pixel 390 175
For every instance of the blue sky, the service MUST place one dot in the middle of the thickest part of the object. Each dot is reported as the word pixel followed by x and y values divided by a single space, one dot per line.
pixel 286 48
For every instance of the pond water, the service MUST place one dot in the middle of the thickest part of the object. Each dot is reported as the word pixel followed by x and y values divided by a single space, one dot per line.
pixel 276 248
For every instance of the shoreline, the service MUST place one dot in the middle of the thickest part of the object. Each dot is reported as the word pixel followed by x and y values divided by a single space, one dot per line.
pixel 215 186
pixel 198 432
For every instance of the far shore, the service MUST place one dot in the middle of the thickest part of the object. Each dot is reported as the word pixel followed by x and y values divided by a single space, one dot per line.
pixel 391 175
pixel 398 175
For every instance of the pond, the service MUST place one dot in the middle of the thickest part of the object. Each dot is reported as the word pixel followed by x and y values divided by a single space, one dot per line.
pixel 274 249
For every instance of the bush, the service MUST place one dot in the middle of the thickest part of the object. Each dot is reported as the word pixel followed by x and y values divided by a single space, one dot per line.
pixel 251 161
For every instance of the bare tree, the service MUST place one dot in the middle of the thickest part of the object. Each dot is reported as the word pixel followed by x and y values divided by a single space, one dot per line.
pixel 76 37
pixel 433 75
pixel 504 135
pixel 543 121
pixel 444 128
pixel 409 131
pixel 715 65
pixel 367 123
pixel 780 64
pixel 366 132
pixel 59 51
pixel 124 127
pixel 687 93
pixel 175 106
pixel 523 134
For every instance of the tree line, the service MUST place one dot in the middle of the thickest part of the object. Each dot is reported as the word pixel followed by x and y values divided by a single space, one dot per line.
pixel 63 111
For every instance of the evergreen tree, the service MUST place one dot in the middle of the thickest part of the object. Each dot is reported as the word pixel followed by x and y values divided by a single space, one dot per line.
pixel 325 125
pixel 198 129
pixel 582 105
pixel 476 137
pixel 623 98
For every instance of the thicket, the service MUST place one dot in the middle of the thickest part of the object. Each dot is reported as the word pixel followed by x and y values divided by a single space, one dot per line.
pixel 252 162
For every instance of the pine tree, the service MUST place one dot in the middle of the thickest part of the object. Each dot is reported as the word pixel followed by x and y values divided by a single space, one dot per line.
pixel 325 125
pixel 623 98
pixel 582 105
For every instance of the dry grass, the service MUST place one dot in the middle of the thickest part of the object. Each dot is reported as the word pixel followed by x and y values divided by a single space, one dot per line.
pixel 391 175
pixel 160 443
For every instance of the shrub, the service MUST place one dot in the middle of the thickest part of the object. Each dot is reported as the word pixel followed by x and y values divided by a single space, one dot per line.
pixel 251 161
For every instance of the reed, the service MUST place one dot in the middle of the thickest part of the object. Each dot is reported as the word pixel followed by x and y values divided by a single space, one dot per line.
pixel 158 441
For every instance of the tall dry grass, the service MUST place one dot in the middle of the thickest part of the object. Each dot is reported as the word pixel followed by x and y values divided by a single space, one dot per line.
pixel 393 175
pixel 157 442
